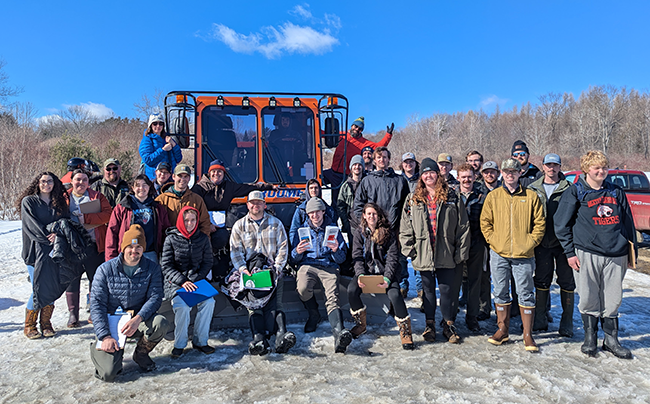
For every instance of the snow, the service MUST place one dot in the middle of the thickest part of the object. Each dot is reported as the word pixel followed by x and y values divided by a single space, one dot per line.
pixel 374 370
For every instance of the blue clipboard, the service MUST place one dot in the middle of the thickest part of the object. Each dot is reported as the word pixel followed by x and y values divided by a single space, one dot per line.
pixel 203 292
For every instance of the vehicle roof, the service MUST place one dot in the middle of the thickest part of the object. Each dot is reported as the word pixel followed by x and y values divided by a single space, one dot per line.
pixel 611 171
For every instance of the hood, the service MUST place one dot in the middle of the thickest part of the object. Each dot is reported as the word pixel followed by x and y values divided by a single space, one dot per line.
pixel 305 196
pixel 389 172
pixel 180 223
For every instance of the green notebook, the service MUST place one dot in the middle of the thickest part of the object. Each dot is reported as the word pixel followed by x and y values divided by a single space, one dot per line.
pixel 257 281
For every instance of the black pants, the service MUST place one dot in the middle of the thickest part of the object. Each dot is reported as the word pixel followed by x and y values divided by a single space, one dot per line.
pixel 395 297
pixel 549 259
pixel 90 265
pixel 475 265
pixel 449 281
pixel 221 253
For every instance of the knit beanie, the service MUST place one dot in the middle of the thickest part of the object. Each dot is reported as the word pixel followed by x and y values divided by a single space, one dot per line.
pixel 133 236
pixel 314 204
pixel 217 165
pixel 155 118
pixel 428 164
pixel 518 146
pixel 367 148
pixel 356 159
pixel 359 122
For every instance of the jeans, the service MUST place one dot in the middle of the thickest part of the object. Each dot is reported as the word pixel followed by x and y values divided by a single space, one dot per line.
pixel 521 269
pixel 201 323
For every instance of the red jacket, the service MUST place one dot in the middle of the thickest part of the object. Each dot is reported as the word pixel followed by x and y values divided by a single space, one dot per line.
pixel 121 221
pixel 100 218
pixel 354 148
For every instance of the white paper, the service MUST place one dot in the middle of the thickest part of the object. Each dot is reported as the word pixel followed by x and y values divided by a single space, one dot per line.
pixel 305 234
pixel 218 218
pixel 115 324
pixel 330 235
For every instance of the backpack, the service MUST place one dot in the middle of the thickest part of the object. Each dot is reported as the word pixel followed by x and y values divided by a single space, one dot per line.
pixel 582 192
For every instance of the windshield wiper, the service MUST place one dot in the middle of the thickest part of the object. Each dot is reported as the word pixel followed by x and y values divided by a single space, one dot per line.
pixel 274 165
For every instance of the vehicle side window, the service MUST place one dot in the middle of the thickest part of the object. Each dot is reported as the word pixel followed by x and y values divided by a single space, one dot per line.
pixel 618 179
pixel 639 182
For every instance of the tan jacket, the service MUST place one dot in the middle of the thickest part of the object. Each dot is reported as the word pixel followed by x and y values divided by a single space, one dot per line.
pixel 174 204
pixel 513 225
pixel 452 235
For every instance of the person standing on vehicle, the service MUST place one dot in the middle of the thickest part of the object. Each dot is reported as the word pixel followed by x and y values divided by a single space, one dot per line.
pixel 157 147
pixel 529 172
pixel 595 227
pixel 383 187
pixel 376 251
pixel 163 176
pixel 112 186
pixel 43 202
pixel 435 234
pixel 81 193
pixel 218 192
pixel 513 224
pixel 549 255
pixel 134 284
pixel 446 165
pixel 318 262
pixel 473 197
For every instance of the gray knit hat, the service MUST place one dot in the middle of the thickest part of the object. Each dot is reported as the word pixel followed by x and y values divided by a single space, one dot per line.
pixel 356 159
pixel 314 204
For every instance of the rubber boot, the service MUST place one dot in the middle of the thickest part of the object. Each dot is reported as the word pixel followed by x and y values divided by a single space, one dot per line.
pixel 141 354
pixel 31 317
pixel 541 299
pixel 503 322
pixel 590 325
pixel 405 334
pixel 314 315
pixel 284 340
pixel 566 323
pixel 611 344
pixel 342 337
pixel 73 307
pixel 46 323
pixel 429 333
pixel 359 317
pixel 259 345
pixel 527 319
pixel 449 332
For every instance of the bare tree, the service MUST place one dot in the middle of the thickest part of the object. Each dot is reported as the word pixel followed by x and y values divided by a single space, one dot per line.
pixel 6 91
pixel 150 104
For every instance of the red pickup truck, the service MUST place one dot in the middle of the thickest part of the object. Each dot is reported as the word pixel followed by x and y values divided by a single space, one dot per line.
pixel 637 189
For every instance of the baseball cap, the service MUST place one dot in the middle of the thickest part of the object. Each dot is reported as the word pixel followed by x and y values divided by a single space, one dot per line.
pixel 444 157
pixel 408 156
pixel 256 196
pixel 511 164
pixel 552 158
pixel 110 161
pixel 182 169
pixel 490 165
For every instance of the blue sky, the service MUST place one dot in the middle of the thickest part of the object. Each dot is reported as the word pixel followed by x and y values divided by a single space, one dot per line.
pixel 391 59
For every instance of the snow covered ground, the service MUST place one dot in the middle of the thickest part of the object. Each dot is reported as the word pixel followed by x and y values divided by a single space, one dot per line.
pixel 375 369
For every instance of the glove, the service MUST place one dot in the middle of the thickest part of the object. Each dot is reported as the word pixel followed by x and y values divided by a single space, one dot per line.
pixel 389 129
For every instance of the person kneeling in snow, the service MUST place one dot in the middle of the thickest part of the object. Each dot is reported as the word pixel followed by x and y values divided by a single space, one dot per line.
pixel 319 261
pixel 258 242
pixel 133 283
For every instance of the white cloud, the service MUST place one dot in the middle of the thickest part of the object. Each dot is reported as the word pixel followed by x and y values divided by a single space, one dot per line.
pixel 288 38
pixel 94 110
pixel 491 101
pixel 99 111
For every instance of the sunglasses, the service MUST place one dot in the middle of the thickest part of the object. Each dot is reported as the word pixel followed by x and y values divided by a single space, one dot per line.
pixel 111 168
pixel 158 124
pixel 517 154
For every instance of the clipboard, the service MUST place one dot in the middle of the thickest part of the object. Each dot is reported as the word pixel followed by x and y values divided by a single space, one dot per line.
pixel 93 206
pixel 115 324
pixel 371 282
pixel 203 292
pixel 631 256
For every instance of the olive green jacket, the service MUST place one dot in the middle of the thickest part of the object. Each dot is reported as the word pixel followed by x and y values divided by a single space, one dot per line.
pixel 452 236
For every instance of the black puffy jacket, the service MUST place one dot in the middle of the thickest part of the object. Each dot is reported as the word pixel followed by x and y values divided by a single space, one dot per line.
pixel 184 259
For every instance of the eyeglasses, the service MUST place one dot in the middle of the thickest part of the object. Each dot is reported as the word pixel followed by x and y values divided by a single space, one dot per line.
pixel 111 168
pixel 518 154
pixel 47 182
pixel 158 124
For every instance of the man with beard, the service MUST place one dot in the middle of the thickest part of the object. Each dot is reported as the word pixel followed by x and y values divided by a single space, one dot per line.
pixel 366 154
pixel 529 172
pixel 446 164
pixel 112 186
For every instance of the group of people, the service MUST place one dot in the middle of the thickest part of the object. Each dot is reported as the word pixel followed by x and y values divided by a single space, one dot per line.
pixel 141 243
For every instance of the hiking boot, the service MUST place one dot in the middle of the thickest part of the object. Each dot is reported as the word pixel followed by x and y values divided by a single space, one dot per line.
pixel 503 322
pixel 541 299
pixel 342 337
pixel 450 333
pixel 566 322
pixel 46 323
pixel 284 340
pixel 405 334
pixel 610 343
pixel 527 319
pixel 31 332
pixel 359 317
pixel 206 349
pixel 141 354
pixel 429 333
pixel 72 298
pixel 314 315
pixel 590 325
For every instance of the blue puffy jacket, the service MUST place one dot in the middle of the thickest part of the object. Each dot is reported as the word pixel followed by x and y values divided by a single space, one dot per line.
pixel 319 255
pixel 152 154
pixel 112 289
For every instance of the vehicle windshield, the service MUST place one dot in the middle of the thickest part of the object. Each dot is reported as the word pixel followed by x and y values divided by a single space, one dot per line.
pixel 230 134
pixel 289 145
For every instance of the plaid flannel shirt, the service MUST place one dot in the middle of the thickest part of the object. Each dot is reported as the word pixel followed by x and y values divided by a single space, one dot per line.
pixel 268 238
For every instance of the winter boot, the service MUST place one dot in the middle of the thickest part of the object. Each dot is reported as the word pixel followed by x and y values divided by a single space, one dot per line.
pixel 73 307
pixel 31 316
pixel 449 332
pixel 429 333
pixel 590 325
pixel 259 345
pixel 566 323
pixel 541 298
pixel 503 322
pixel 611 344
pixel 46 323
pixel 405 334
pixel 527 319
pixel 359 318
pixel 314 315
pixel 284 340
pixel 342 337
pixel 141 354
